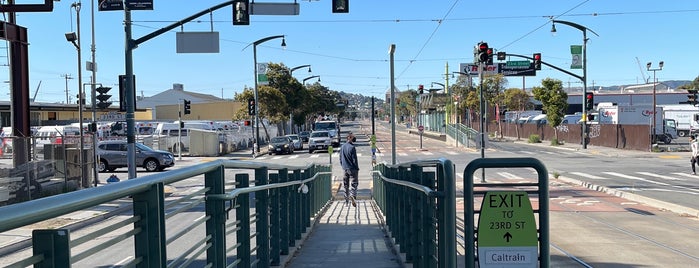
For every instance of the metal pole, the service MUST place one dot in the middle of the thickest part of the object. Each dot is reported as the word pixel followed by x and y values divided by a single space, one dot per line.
pixel 391 51
pixel 482 119
pixel 129 96
pixel 95 157
pixel 584 91
pixel 373 126
pixel 652 133
pixel 257 103
pixel 81 105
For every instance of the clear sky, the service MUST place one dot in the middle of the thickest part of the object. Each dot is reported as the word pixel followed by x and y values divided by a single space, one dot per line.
pixel 350 51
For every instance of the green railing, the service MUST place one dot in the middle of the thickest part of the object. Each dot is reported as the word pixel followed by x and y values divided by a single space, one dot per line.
pixel 191 225
pixel 418 201
pixel 465 135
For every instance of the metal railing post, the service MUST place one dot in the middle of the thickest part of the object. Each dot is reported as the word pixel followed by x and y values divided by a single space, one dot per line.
pixel 242 215
pixel 216 224
pixel 54 245
pixel 150 242
pixel 262 224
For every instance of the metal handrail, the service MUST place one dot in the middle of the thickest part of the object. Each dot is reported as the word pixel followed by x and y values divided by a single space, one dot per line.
pixel 276 223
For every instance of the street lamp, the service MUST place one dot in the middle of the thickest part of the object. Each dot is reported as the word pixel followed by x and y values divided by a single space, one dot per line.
pixel 311 77
pixel 74 38
pixel 291 71
pixel 584 30
pixel 257 106
pixel 433 83
pixel 660 67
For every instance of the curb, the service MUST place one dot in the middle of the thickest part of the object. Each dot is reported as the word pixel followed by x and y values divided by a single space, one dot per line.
pixel 682 210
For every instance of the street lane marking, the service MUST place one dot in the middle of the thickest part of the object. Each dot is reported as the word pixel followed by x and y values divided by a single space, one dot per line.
pixel 661 176
pixel 635 178
pixel 427 153
pixel 589 176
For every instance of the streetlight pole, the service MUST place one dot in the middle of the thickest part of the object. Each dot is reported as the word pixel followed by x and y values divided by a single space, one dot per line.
pixel 584 30
pixel 291 115
pixel 95 157
pixel 291 71
pixel 75 39
pixel 311 77
pixel 391 52
pixel 660 67
pixel 257 103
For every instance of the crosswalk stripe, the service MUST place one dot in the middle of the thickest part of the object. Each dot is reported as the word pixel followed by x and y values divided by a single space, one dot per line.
pixel 686 175
pixel 589 176
pixel 452 153
pixel 634 178
pixel 427 153
pixel 315 156
pixel 662 176
pixel 510 176
pixel 294 156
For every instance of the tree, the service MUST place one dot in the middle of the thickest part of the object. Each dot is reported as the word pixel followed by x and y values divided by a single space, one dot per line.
pixel 554 101
pixel 516 99
pixel 493 86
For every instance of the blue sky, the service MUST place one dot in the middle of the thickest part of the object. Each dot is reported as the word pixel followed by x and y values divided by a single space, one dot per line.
pixel 350 51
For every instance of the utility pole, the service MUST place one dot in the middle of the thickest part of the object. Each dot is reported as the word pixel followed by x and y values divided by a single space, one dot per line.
pixel 67 77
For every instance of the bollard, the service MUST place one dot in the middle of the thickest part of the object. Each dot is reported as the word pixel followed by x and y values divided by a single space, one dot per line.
pixel 330 153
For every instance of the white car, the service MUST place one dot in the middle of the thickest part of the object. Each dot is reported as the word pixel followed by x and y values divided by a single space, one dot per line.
pixel 298 144
pixel 319 140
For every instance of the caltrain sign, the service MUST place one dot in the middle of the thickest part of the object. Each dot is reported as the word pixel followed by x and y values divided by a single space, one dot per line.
pixel 507 233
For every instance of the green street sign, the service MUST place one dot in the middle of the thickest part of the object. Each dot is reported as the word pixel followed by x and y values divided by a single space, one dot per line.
pixel 517 63
pixel 507 233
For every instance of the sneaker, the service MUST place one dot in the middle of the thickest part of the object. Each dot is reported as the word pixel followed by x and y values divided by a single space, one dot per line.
pixel 354 201
pixel 694 173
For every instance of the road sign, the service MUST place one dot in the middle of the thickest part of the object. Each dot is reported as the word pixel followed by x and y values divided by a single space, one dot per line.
pixel 507 233
pixel 524 63
pixel 517 69
pixel 420 128
pixel 113 117
pixel 472 69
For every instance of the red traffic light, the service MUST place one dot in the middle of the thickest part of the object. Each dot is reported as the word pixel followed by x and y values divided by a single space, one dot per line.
pixel 537 56
pixel 483 46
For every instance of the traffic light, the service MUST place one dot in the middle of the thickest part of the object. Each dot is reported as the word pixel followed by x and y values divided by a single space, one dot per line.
pixel 247 122
pixel 489 51
pixel 187 107
pixel 692 97
pixel 482 52
pixel 251 106
pixel 241 12
pixel 421 89
pixel 103 97
pixel 502 55
pixel 589 101
pixel 537 61
pixel 340 6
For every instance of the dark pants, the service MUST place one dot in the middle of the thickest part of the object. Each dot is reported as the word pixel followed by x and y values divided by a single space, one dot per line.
pixel 351 178
pixel 694 162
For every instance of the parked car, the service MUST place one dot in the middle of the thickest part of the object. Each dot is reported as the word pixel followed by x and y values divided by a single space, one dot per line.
pixel 298 144
pixel 281 145
pixel 319 140
pixel 304 135
pixel 112 155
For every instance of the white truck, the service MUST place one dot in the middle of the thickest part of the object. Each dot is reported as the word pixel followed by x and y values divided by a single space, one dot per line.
pixel 685 116
pixel 332 127
pixel 665 129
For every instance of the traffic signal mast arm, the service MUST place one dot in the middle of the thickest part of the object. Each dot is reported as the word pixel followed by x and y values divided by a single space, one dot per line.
pixel 549 65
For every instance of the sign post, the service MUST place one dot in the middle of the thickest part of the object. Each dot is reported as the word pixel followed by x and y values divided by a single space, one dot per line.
pixel 507 233
pixel 420 129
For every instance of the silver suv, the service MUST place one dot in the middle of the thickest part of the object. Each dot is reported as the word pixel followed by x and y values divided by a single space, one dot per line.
pixel 113 153
pixel 319 140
